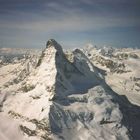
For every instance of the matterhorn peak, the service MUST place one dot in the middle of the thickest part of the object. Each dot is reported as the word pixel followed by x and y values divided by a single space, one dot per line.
pixel 52 43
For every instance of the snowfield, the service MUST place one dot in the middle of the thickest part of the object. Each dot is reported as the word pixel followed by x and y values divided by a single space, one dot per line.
pixel 83 94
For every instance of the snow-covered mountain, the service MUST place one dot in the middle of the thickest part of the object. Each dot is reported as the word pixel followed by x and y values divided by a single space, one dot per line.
pixel 122 69
pixel 65 96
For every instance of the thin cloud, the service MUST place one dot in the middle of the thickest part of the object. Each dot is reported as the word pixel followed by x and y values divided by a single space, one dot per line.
pixel 47 17
pixel 71 23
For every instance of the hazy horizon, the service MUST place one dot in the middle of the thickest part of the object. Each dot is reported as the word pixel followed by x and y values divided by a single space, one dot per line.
pixel 30 23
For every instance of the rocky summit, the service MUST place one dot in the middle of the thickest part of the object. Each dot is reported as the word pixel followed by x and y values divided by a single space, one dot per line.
pixel 59 95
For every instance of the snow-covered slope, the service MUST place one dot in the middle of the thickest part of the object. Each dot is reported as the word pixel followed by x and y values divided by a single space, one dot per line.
pixel 122 70
pixel 65 97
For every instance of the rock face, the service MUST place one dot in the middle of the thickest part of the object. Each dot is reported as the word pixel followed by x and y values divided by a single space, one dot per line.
pixel 67 100
pixel 114 66
pixel 54 68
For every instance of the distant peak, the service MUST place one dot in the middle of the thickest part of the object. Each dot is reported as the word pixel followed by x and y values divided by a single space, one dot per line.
pixel 89 45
